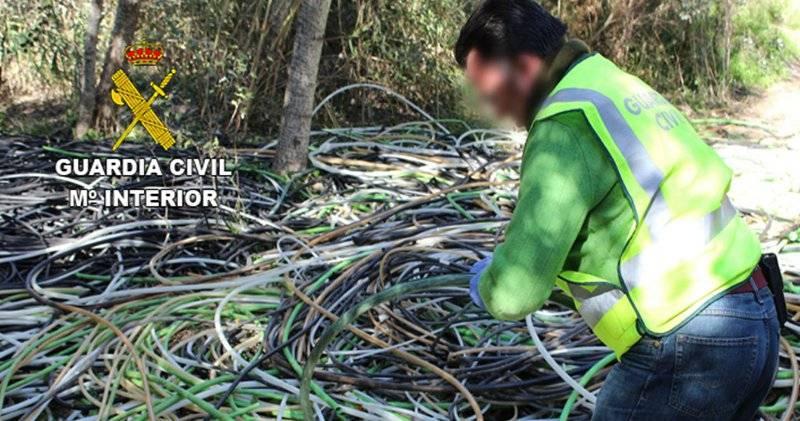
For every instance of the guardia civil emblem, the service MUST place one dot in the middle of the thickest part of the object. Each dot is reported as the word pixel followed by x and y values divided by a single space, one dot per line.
pixel 126 93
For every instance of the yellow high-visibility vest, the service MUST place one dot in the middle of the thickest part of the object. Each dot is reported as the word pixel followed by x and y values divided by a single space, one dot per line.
pixel 688 244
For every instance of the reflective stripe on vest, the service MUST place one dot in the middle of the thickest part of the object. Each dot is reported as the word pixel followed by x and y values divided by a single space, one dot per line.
pixel 681 238
pixel 667 234
pixel 594 304
pixel 643 168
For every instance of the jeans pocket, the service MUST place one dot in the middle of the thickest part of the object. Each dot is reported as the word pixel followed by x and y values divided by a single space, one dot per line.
pixel 712 374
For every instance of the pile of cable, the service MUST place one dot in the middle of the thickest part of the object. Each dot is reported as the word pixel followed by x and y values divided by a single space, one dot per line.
pixel 339 292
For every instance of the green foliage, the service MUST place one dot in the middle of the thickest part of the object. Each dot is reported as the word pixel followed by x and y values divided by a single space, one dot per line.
pixel 761 46
pixel 40 39
pixel 93 134
pixel 232 56
pixel 405 46
pixel 219 86
pixel 696 50
pixel 680 47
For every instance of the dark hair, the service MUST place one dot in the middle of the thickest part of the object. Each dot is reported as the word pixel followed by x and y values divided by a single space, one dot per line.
pixel 505 28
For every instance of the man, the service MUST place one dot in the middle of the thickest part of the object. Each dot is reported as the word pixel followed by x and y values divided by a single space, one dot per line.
pixel 624 207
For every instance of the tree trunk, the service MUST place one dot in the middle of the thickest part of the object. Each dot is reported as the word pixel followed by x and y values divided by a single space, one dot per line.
pixel 87 92
pixel 292 152
pixel 125 23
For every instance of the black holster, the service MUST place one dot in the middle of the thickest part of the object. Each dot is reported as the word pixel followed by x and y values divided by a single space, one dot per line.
pixel 772 273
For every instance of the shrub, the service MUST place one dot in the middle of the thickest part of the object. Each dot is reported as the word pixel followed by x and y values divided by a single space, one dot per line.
pixel 762 47
pixel 231 76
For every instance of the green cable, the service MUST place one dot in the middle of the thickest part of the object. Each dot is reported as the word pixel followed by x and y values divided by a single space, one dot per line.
pixel 185 394
pixel 458 207
pixel 290 321
pixel 573 397
pixel 65 152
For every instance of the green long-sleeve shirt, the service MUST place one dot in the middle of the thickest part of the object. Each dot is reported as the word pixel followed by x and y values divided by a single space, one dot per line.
pixel 571 214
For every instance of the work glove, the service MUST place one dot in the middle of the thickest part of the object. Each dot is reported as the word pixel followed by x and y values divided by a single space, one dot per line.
pixel 476 271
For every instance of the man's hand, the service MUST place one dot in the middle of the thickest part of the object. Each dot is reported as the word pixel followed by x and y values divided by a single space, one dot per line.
pixel 476 271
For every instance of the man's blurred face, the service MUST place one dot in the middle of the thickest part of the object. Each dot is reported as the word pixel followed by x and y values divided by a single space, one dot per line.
pixel 506 85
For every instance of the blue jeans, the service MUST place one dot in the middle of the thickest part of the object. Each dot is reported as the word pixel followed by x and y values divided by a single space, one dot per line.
pixel 718 366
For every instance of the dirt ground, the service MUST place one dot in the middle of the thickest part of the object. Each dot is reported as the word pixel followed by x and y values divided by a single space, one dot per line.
pixel 766 184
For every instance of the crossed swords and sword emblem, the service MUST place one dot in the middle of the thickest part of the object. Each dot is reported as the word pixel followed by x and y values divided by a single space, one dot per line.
pixel 127 94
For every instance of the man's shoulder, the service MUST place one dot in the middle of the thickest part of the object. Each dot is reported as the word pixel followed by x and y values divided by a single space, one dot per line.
pixel 567 125
pixel 568 135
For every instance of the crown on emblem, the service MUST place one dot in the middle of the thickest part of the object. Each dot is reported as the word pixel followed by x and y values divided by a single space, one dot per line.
pixel 144 53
